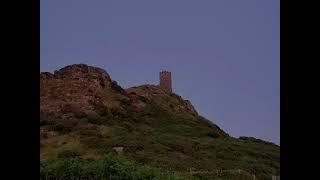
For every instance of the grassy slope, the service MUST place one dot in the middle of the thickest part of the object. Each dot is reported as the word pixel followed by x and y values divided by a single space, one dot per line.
pixel 160 135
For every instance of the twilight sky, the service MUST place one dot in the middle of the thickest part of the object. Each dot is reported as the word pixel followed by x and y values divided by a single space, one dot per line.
pixel 224 55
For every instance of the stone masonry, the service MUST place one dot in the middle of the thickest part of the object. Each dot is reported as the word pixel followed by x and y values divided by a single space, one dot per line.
pixel 165 81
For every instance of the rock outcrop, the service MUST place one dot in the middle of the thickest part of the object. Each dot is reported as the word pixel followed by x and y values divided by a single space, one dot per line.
pixel 75 88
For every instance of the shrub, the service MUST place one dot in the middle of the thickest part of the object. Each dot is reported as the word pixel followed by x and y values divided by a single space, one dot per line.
pixel 101 109
pixel 92 142
pixel 95 118
pixel 255 140
pixel 68 154
pixel 128 126
pixel 61 128
pixel 92 115
pixel 118 113
pixel 43 116
pixel 89 131
pixel 143 99
pixel 97 121
pixel 66 108
pixel 79 114
pixel 213 134
pixel 117 88
pixel 43 122
pixel 125 102
pixel 105 168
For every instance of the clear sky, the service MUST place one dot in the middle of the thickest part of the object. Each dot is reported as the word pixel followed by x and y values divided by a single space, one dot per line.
pixel 224 55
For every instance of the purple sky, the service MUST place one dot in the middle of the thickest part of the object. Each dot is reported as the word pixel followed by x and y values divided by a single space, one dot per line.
pixel 224 55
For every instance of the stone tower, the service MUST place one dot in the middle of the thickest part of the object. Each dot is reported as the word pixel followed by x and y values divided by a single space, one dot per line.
pixel 165 81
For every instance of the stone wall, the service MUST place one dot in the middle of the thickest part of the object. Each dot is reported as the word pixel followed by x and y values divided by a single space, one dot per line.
pixel 165 81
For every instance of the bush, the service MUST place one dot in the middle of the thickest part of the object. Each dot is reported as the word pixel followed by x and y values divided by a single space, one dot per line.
pixel 66 108
pixel 79 114
pixel 43 116
pixel 61 128
pixel 255 140
pixel 91 137
pixel 125 102
pixel 118 113
pixel 92 115
pixel 43 122
pixel 101 109
pixel 89 131
pixel 98 121
pixel 143 99
pixel 68 154
pixel 105 168
pixel 213 134
pixel 117 88
pixel 92 142
pixel 128 126
pixel 95 118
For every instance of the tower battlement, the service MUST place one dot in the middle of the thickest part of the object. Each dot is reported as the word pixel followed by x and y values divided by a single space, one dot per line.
pixel 165 81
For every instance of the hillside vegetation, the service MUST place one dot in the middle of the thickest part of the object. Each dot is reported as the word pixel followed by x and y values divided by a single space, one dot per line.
pixel 85 114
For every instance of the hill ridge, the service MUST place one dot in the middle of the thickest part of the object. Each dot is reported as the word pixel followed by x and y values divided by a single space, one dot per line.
pixel 85 114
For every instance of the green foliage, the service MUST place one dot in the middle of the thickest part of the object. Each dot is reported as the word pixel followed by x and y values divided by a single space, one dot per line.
pixel 213 134
pixel 158 136
pixel 92 116
pixel 79 114
pixel 255 140
pixel 125 102
pixel 101 109
pixel 104 168
pixel 67 108
pixel 61 128
pixel 45 120
pixel 128 126
pixel 91 138
pixel 143 99
pixel 118 113
pixel 97 121
pixel 56 124
pixel 68 154
pixel 117 88
pixel 95 118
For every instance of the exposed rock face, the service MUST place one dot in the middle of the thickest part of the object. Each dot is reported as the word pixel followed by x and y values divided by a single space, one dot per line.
pixel 189 106
pixel 81 89
pixel 74 88
pixel 173 101
pixel 81 72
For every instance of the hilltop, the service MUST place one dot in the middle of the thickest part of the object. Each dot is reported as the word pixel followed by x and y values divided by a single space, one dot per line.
pixel 85 114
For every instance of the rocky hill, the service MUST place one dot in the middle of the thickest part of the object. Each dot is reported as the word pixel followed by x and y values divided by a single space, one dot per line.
pixel 86 115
